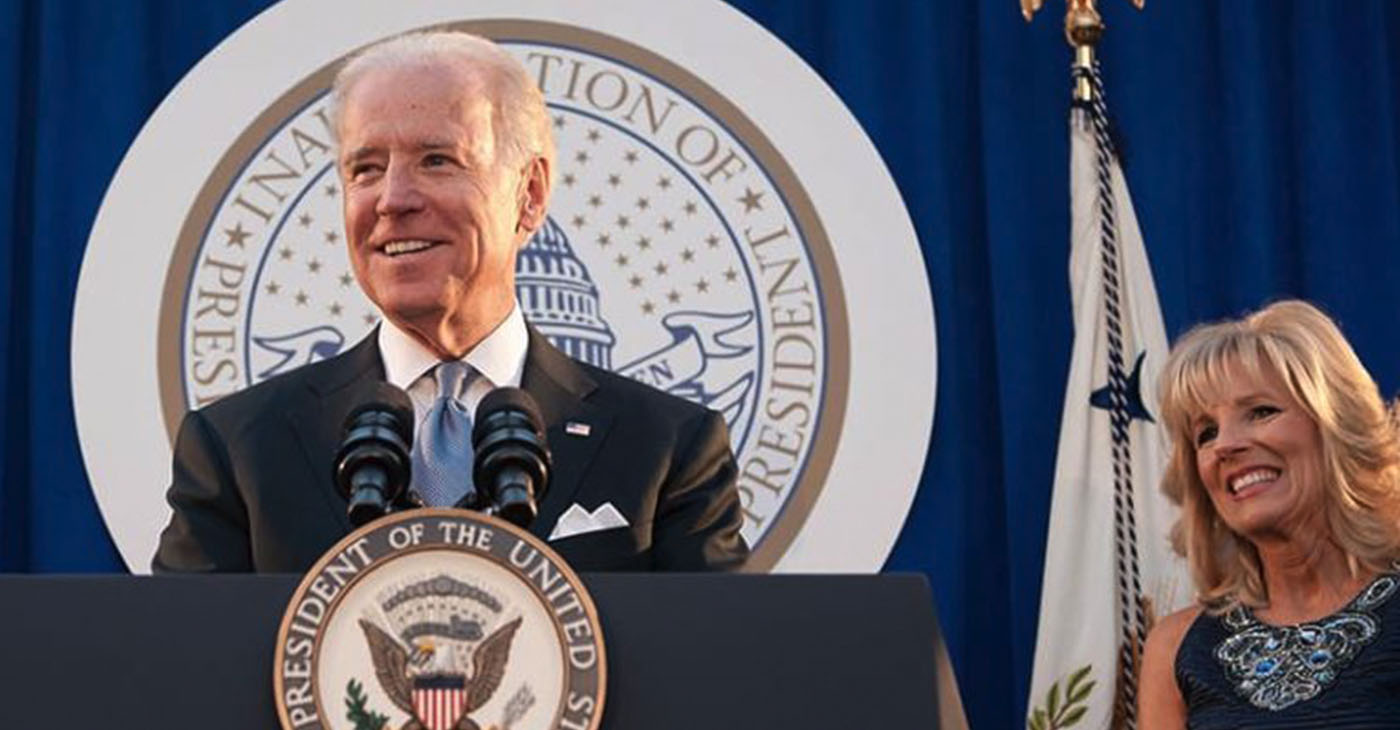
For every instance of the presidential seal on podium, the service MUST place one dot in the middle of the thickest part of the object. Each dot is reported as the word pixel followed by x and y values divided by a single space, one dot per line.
pixel 440 619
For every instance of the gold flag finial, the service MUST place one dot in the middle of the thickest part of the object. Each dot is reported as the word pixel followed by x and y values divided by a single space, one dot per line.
pixel 1083 24
pixel 1083 29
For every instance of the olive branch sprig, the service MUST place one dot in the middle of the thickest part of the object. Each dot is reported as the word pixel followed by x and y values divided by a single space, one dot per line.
pixel 356 712
pixel 1057 714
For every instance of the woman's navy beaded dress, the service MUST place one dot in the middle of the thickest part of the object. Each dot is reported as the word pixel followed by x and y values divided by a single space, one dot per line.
pixel 1342 671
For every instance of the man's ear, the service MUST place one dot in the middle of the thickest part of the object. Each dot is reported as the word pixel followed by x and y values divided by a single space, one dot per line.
pixel 533 196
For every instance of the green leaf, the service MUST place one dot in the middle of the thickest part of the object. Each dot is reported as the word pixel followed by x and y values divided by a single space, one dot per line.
pixel 1073 716
pixel 1038 719
pixel 356 711
pixel 1077 677
pixel 1052 701
pixel 1078 695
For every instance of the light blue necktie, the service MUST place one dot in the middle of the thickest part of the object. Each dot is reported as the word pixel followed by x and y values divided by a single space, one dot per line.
pixel 442 454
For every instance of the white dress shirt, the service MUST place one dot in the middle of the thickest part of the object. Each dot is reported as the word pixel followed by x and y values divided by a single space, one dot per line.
pixel 497 361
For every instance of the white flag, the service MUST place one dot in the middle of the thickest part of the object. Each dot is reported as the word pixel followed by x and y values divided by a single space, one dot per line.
pixel 1109 568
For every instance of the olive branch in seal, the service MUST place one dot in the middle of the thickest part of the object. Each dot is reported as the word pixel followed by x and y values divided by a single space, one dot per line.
pixel 1058 714
pixel 356 712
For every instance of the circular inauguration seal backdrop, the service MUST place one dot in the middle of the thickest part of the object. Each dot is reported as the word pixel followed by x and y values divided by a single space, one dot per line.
pixel 720 229
pixel 438 619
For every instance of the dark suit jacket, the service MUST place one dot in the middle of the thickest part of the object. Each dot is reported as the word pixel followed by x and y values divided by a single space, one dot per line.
pixel 252 488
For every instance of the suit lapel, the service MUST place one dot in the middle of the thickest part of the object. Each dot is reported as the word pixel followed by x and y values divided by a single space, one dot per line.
pixel 558 385
pixel 561 388
pixel 318 418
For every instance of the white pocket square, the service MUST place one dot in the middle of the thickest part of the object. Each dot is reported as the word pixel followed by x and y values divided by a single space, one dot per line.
pixel 578 521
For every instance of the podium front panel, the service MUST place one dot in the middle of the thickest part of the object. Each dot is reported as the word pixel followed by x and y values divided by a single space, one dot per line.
pixel 684 651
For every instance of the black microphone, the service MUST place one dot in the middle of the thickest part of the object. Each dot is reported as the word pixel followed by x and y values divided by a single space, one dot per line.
pixel 372 467
pixel 511 462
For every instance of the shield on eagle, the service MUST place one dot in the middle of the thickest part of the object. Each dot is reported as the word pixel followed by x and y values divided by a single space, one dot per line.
pixel 439 700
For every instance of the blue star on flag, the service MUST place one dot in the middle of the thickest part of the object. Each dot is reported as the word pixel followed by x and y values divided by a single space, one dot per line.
pixel 1103 398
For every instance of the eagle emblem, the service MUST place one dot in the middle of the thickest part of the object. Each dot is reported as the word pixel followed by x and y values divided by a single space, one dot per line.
pixel 425 682
pixel 435 661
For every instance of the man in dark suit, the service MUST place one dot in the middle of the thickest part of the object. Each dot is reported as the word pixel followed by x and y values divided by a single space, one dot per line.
pixel 445 159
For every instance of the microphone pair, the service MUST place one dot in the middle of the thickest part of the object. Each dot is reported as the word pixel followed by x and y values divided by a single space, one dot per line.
pixel 510 465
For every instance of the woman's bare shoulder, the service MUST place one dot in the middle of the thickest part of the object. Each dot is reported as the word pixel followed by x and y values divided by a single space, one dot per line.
pixel 1170 629
pixel 1160 704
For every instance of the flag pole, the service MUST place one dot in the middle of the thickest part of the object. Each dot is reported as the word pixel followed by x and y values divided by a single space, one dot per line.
pixel 1107 466
pixel 1083 29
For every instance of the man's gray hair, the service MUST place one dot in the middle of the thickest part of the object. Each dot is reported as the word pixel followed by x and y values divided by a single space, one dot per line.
pixel 520 121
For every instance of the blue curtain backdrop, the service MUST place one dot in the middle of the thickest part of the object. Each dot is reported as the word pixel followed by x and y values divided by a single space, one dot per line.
pixel 1261 142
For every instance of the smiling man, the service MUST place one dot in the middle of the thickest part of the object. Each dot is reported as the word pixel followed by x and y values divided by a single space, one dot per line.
pixel 445 159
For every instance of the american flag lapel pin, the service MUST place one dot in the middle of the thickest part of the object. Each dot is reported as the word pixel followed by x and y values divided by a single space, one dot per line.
pixel 574 428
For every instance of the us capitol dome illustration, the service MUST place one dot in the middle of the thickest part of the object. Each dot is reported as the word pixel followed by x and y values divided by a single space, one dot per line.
pixel 560 299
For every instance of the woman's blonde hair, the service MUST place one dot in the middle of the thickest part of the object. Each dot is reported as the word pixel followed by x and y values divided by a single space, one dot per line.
pixel 1360 442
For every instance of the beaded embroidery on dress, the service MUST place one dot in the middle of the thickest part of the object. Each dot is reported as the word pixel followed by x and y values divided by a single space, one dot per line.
pixel 1274 667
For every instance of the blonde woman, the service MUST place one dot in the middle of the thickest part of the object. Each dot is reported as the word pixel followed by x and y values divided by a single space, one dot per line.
pixel 1286 465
